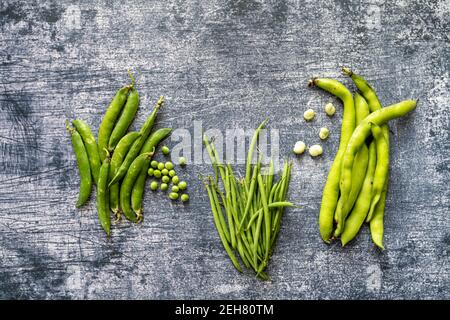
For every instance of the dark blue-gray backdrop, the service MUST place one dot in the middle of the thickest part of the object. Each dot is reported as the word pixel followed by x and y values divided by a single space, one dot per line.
pixel 227 64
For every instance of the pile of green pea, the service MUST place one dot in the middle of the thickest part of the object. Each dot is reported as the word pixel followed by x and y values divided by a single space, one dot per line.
pixel 166 173
pixel 357 183
pixel 117 161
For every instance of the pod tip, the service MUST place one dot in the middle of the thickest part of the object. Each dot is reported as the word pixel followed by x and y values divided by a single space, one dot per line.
pixel 311 82
pixel 347 71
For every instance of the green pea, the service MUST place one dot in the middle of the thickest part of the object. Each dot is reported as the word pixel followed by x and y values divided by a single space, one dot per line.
pixel 165 150
pixel 150 171
pixel 175 189
pixel 160 166
pixel 157 173
pixel 182 161
pixel 169 165
pixel 182 185
pixel 173 195
pixel 165 172
pixel 154 164
pixel 154 185
pixel 184 197
pixel 172 173
pixel 175 179
pixel 165 179
pixel 164 186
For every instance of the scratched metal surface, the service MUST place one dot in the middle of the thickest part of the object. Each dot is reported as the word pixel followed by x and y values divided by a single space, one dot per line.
pixel 227 64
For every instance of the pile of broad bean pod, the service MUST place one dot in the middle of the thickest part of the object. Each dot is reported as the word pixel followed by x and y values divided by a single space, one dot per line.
pixel 357 183
pixel 247 214
pixel 118 163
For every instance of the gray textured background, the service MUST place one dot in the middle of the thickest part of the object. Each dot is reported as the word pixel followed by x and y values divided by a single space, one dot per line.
pixel 227 64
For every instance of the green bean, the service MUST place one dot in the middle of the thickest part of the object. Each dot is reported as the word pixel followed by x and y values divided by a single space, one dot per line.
pixel 250 197
pixel 362 204
pixel 91 146
pixel 220 231
pixel 256 237
pixel 83 166
pixel 359 169
pixel 125 119
pixel 376 223
pixel 128 182
pixel 330 192
pixel 219 212
pixel 248 173
pixel 360 135
pixel 110 117
pixel 229 210
pixel 139 143
pixel 379 180
pixel 102 196
pixel 267 217
pixel 119 154
pixel 138 189
pixel 374 103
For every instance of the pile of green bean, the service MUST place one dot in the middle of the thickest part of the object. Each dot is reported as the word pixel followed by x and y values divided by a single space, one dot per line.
pixel 356 187
pixel 247 212
pixel 118 163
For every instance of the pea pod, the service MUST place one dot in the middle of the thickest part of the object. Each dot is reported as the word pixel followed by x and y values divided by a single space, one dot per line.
pixel 331 190
pixel 376 223
pixel 137 145
pixel 102 196
pixel 381 169
pixel 91 146
pixel 83 166
pixel 127 184
pixel 360 135
pixel 359 169
pixel 125 119
pixel 139 186
pixel 362 204
pixel 119 154
pixel 109 119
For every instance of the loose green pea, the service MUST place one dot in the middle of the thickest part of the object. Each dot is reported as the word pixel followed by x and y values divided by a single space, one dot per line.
pixel 165 150
pixel 165 172
pixel 182 185
pixel 172 173
pixel 184 197
pixel 175 179
pixel 164 186
pixel 157 173
pixel 154 164
pixel 169 165
pixel 150 171
pixel 160 166
pixel 173 195
pixel 175 189
pixel 165 179
pixel 182 161
pixel 154 185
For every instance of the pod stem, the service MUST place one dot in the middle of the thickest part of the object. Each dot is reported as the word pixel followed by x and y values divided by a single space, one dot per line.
pixel 68 128
pixel 347 71
pixel 312 82
pixel 131 77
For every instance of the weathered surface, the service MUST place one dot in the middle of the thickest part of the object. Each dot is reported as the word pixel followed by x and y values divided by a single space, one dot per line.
pixel 227 64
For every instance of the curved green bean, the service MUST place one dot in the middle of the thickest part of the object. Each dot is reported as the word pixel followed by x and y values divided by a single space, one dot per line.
pixel 330 192
pixel 137 145
pixel 138 189
pixel 109 119
pixel 359 169
pixel 102 196
pixel 125 119
pixel 376 223
pixel 119 154
pixel 248 166
pixel 360 135
pixel 381 170
pixel 91 146
pixel 127 184
pixel 362 204
pixel 83 166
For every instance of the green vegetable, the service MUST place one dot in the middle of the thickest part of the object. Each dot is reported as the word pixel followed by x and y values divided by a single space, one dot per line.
pixel 175 189
pixel 173 195
pixel 172 173
pixel 157 173
pixel 164 186
pixel 165 172
pixel 83 166
pixel 154 185
pixel 184 197
pixel 182 161
pixel 103 196
pixel 165 150
pixel 160 166
pixel 154 164
pixel 175 179
pixel 150 171
pixel 182 185
pixel 168 165
pixel 165 179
